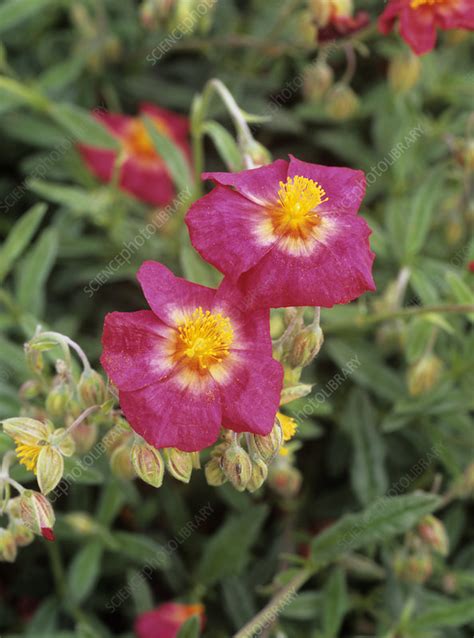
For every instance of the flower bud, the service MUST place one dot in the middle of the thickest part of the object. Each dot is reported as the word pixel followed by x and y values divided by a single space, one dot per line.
pixel 81 522
pixel 213 472
pixel 258 476
pixel 58 399
pixel 259 155
pixel 433 532
pixel 7 546
pixel 284 479
pixel 341 102
pixel 91 388
pixel 34 359
pixel 237 466
pixel 266 447
pixel 121 463
pixel 414 568
pixel 147 463
pixel 424 374
pixel 37 514
pixel 179 464
pixel 318 79
pixel 22 535
pixel 404 71
pixel 49 469
pixel 84 436
pixel 30 390
pixel 305 347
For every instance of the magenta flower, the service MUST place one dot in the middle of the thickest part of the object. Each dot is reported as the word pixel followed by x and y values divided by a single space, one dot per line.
pixel 166 620
pixel 288 234
pixel 197 360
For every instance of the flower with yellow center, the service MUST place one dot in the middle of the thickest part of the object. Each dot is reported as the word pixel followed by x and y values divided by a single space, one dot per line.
pixel 137 140
pixel 416 4
pixel 288 427
pixel 204 339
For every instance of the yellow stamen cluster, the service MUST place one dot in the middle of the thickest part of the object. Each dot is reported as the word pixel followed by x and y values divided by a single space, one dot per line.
pixel 288 427
pixel 205 338
pixel 415 4
pixel 28 455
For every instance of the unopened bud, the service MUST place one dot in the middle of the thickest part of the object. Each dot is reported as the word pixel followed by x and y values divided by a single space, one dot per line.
pixel 341 102
pixel 237 466
pixel 91 388
pixel 30 390
pixel 49 469
pixel 259 155
pixel 81 523
pixel 318 79
pixel 121 463
pixel 84 436
pixel 305 347
pixel 404 71
pixel 433 532
pixel 454 232
pixel 179 464
pixel 259 475
pixel 37 514
pixel 34 359
pixel 7 546
pixel 214 473
pixel 22 535
pixel 424 375
pixel 284 479
pixel 147 463
pixel 58 399
pixel 266 447
pixel 414 568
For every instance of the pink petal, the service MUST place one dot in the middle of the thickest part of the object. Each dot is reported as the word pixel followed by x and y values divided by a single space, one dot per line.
pixel 134 349
pixel 100 162
pixel 169 296
pixel 178 124
pixel 336 271
pixel 148 181
pixel 250 401
pixel 417 28
pixel 257 184
pixel 387 19
pixel 344 187
pixel 166 414
pixel 222 227
pixel 114 122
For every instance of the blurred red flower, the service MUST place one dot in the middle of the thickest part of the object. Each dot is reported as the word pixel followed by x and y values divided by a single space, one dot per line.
pixel 419 20
pixel 166 620
pixel 143 172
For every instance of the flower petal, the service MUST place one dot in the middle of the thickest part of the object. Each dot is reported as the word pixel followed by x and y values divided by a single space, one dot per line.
pixel 336 271
pixel 100 162
pixel 134 351
pixel 418 28
pixel 251 399
pixel 260 185
pixel 167 414
pixel 344 187
pixel 223 229
pixel 148 181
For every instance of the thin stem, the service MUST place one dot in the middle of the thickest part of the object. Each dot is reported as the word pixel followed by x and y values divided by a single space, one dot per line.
pixel 62 339
pixel 361 322
pixel 80 419
pixel 14 484
pixel 269 613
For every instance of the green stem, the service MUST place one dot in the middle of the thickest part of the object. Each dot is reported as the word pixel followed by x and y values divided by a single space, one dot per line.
pixel 362 322
pixel 57 569
pixel 269 613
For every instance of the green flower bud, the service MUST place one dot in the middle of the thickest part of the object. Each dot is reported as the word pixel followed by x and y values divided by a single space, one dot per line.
pixel 237 466
pixel 266 447
pixel 84 436
pixel 413 568
pixel 91 388
pixel 259 475
pixel 179 464
pixel 58 399
pixel 121 463
pixel 147 463
pixel 7 546
pixel 22 535
pixel 318 79
pixel 214 473
pixel 81 523
pixel 306 345
pixel 30 390
pixel 404 71
pixel 341 102
pixel 284 479
pixel 424 374
pixel 37 514
pixel 433 532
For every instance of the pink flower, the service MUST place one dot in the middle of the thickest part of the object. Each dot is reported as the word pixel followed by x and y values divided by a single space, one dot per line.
pixel 288 233
pixel 166 620
pixel 197 360
pixel 419 20
pixel 143 173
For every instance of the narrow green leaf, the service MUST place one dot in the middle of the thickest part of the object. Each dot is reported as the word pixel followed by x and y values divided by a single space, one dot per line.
pixel 190 629
pixel 171 154
pixel 34 272
pixel 461 291
pixel 368 475
pixel 84 571
pixel 335 603
pixel 15 11
pixel 228 551
pixel 385 518
pixel 82 126
pixel 225 144
pixel 418 219
pixel 19 238
pixel 140 590
pixel 452 614
pixel 141 549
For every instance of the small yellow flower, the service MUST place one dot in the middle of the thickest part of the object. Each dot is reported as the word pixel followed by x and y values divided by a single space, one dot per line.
pixel 30 437
pixel 288 427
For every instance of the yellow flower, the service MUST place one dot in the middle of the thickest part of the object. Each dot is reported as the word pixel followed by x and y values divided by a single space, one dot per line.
pixel 288 427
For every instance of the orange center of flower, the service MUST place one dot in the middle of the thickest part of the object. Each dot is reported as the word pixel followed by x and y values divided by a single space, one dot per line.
pixel 296 214
pixel 138 142
pixel 416 4
pixel 204 339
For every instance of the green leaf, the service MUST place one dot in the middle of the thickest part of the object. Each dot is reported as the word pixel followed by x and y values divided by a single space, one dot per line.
pixel 238 600
pixel 418 336
pixel 34 271
pixel 190 629
pixel 82 126
pixel 111 502
pixel 452 614
pixel 419 217
pixel 225 144
pixel 461 292
pixel 305 606
pixel 335 603
pixel 195 268
pixel 15 11
pixel 227 553
pixel 84 571
pixel 368 476
pixel 140 590
pixel 141 549
pixel 171 154
pixel 19 238
pixel 383 519
pixel 45 618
